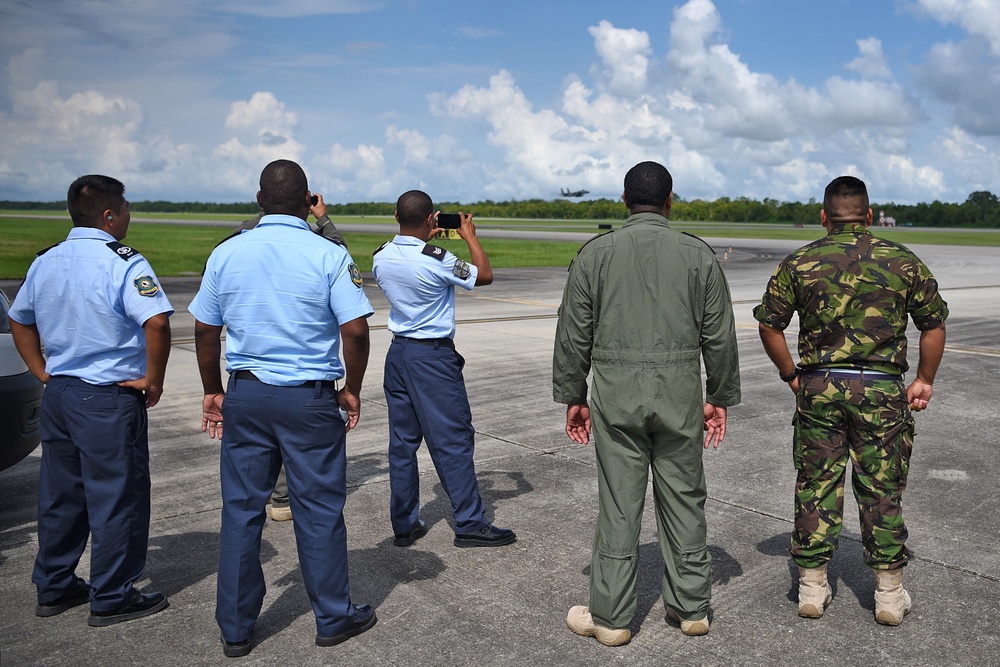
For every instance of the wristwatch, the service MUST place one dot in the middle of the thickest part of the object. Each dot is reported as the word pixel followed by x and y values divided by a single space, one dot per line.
pixel 791 376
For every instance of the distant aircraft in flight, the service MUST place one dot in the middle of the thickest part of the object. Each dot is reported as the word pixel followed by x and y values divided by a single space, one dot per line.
pixel 573 193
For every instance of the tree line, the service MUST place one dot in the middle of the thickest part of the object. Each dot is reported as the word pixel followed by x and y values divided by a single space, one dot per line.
pixel 981 209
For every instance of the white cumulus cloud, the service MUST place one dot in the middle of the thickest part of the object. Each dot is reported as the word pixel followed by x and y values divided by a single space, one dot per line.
pixel 977 17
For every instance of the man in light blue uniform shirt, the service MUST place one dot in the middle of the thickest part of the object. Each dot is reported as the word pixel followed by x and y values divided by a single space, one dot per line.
pixel 423 382
pixel 280 511
pixel 287 299
pixel 97 308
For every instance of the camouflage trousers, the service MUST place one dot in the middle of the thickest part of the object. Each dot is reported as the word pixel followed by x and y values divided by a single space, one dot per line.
pixel 869 422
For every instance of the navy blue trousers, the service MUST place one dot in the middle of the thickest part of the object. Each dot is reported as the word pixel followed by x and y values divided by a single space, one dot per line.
pixel 426 396
pixel 93 483
pixel 302 426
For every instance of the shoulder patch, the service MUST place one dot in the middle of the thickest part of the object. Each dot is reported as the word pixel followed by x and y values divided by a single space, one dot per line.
pixel 355 274
pixel 122 250
pixel 461 269
pixel 434 251
pixel 375 251
pixel 45 250
pixel 146 286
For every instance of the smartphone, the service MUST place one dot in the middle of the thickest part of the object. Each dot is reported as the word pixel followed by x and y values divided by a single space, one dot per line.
pixel 314 200
pixel 449 221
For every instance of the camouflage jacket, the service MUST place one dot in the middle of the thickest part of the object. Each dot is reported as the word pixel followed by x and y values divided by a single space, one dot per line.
pixel 853 293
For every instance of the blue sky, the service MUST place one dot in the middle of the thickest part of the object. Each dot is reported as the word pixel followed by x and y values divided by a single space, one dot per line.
pixel 188 99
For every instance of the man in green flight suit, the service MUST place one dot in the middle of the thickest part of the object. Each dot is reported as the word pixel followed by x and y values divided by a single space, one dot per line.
pixel 642 306
pixel 853 293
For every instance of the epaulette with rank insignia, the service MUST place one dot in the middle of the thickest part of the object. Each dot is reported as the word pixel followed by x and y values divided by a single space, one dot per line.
pixel 434 251
pixel 45 250
pixel 320 234
pixel 122 250
pixel 375 251
pixel 231 236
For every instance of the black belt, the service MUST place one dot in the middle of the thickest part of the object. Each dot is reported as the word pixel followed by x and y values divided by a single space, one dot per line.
pixel 439 342
pixel 248 375
pixel 851 374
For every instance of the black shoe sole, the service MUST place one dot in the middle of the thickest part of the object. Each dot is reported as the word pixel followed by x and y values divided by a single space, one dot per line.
pixel 235 650
pixel 103 621
pixel 347 634
pixel 46 610
pixel 466 542
pixel 411 537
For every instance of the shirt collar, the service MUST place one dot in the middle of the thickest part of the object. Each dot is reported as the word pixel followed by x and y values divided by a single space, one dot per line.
pixel 89 233
pixel 282 219
pixel 849 228
pixel 400 239
pixel 646 217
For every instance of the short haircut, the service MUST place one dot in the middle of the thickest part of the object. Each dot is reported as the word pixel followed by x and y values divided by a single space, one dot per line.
pixel 413 207
pixel 90 196
pixel 283 188
pixel 648 184
pixel 846 201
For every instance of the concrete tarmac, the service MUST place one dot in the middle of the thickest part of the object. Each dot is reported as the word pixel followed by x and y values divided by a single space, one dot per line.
pixel 438 604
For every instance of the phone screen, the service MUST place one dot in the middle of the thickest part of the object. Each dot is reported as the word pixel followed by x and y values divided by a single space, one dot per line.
pixel 449 221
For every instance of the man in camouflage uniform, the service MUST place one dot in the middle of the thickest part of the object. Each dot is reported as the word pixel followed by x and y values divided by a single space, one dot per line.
pixel 643 306
pixel 853 293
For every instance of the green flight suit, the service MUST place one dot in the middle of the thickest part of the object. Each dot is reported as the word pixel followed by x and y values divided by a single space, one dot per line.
pixel 642 306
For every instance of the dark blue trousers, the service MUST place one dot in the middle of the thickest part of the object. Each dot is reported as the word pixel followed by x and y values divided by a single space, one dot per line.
pixel 426 396
pixel 93 483
pixel 302 426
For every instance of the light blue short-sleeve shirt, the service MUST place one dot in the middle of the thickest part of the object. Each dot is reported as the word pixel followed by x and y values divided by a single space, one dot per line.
pixel 89 297
pixel 282 292
pixel 419 281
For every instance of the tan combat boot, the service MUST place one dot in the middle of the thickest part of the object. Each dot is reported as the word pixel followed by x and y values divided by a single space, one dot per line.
pixel 815 594
pixel 582 623
pixel 690 628
pixel 892 602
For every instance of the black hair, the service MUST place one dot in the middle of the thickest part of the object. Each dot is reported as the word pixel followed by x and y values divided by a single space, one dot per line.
pixel 90 196
pixel 648 184
pixel 846 200
pixel 283 188
pixel 413 207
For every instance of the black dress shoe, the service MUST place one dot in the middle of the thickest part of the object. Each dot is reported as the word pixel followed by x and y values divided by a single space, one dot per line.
pixel 139 605
pixel 78 594
pixel 406 539
pixel 364 619
pixel 235 649
pixel 488 536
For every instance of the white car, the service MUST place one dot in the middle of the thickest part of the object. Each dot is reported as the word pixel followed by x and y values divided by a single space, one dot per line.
pixel 20 398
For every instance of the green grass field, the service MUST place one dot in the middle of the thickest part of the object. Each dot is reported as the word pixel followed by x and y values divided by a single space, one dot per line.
pixel 181 249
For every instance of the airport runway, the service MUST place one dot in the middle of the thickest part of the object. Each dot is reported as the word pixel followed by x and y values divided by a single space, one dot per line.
pixel 441 605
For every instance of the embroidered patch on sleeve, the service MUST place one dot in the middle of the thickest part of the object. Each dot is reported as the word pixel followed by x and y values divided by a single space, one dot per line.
pixel 146 286
pixel 355 274
pixel 461 269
